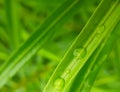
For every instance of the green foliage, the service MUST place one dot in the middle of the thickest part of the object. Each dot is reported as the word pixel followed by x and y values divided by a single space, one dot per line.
pixel 59 46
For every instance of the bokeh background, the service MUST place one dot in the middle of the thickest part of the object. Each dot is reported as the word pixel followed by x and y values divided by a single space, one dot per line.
pixel 30 14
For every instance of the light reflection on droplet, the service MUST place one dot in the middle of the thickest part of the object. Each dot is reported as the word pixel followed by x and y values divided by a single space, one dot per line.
pixel 59 84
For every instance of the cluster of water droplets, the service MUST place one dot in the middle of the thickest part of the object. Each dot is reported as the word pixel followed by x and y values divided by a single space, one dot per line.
pixel 78 55
pixel 60 81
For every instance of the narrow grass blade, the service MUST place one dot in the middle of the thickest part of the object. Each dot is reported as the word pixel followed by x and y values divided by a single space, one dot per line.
pixel 98 65
pixel 116 57
pixel 83 74
pixel 95 60
pixel 12 22
pixel 98 27
pixel 48 55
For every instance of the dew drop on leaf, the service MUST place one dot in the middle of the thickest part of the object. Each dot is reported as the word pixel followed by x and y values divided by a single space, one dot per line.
pixel 67 73
pixel 59 83
pixel 80 53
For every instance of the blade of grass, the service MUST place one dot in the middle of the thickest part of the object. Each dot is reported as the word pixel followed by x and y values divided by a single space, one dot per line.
pixel 99 63
pixel 100 60
pixel 117 50
pixel 117 33
pixel 108 34
pixel 82 73
pixel 86 70
pixel 12 22
pixel 79 80
pixel 48 55
pixel 37 39
pixel 89 39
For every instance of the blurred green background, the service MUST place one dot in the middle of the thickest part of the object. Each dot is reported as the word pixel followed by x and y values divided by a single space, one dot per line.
pixel 30 14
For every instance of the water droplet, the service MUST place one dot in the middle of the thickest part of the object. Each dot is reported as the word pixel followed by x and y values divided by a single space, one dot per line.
pixel 80 53
pixel 68 71
pixel 67 74
pixel 100 29
pixel 59 83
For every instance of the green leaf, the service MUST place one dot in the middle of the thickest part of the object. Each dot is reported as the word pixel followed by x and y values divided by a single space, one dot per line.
pixel 97 59
pixel 98 64
pixel 11 7
pixel 95 31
